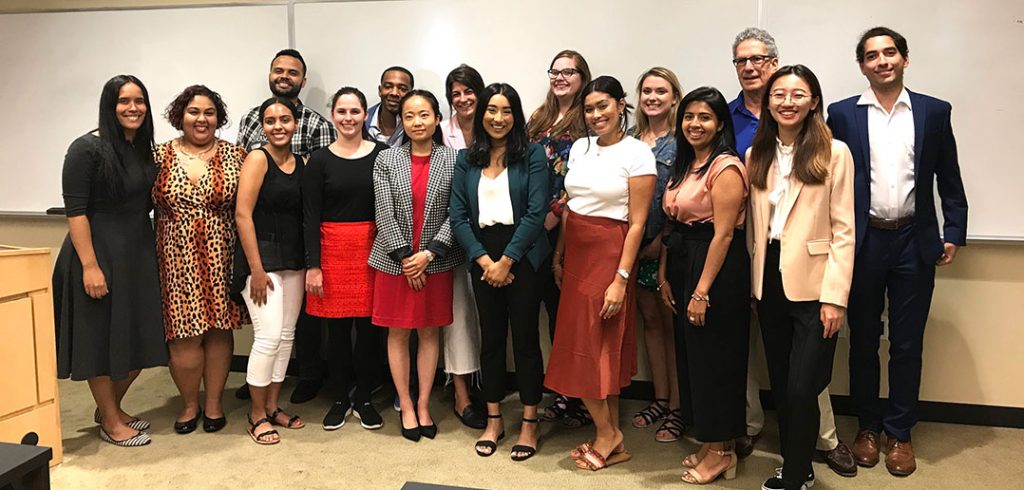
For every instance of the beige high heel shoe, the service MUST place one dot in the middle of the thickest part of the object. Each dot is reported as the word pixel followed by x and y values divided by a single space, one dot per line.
pixel 694 477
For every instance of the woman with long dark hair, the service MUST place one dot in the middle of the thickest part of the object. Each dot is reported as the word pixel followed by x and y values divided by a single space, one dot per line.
pixel 414 253
pixel 610 183
pixel 800 234
pixel 556 125
pixel 337 195
pixel 271 263
pixel 497 212
pixel 106 289
pixel 706 267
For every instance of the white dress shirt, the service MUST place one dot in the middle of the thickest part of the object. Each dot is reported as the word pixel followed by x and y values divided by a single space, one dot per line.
pixel 891 137
pixel 783 168
pixel 495 200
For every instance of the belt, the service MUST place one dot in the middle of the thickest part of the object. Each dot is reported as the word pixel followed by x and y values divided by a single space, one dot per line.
pixel 890 224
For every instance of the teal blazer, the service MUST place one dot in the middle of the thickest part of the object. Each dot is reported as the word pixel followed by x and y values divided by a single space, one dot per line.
pixel 528 188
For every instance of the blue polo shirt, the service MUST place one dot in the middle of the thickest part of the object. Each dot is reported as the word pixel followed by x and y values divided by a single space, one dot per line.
pixel 744 124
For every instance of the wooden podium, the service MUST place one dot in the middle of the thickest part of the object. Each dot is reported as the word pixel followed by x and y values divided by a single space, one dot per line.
pixel 28 376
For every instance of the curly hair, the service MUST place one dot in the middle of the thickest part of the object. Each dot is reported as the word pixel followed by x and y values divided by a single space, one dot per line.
pixel 175 113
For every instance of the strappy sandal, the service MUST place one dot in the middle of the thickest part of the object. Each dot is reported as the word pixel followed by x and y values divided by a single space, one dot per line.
pixel 577 417
pixel 575 453
pixel 693 476
pixel 522 448
pixel 672 426
pixel 557 409
pixel 139 439
pixel 593 461
pixel 135 423
pixel 294 422
pixel 491 445
pixel 259 438
pixel 657 410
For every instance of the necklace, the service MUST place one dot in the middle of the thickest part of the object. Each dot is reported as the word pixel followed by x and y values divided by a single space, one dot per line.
pixel 199 154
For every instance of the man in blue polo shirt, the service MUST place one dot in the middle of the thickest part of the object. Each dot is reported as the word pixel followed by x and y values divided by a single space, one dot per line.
pixel 756 58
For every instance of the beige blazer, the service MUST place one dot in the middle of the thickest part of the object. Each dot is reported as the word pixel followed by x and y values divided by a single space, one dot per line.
pixel 818 239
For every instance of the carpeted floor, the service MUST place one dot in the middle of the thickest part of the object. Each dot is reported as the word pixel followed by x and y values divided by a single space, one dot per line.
pixel 949 456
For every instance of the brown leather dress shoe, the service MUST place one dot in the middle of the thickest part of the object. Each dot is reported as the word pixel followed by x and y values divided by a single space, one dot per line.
pixel 744 446
pixel 841 460
pixel 865 448
pixel 899 458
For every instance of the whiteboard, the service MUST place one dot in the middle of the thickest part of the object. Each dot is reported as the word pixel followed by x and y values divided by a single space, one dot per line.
pixel 963 52
pixel 55 65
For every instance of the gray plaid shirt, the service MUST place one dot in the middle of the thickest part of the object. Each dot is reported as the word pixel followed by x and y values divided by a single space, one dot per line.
pixel 314 132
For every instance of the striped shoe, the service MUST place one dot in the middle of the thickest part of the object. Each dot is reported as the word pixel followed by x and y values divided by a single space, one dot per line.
pixel 135 423
pixel 139 439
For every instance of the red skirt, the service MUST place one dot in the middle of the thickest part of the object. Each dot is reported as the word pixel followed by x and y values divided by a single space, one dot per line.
pixel 592 357
pixel 347 278
pixel 395 304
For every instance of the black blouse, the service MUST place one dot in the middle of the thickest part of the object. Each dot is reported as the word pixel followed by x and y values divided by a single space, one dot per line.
pixel 277 218
pixel 336 190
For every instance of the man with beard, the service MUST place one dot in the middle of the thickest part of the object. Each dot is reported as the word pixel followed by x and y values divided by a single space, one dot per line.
pixel 287 77
pixel 382 120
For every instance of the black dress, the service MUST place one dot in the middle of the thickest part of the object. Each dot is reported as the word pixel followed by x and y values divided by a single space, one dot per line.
pixel 123 331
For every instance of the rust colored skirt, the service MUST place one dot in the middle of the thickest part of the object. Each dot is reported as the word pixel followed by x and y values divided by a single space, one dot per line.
pixel 347 277
pixel 592 357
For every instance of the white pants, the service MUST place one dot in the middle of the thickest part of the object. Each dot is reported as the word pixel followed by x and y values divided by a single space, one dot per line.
pixel 462 337
pixel 827 439
pixel 273 326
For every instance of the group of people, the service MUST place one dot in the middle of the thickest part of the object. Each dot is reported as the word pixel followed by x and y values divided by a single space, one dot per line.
pixel 453 232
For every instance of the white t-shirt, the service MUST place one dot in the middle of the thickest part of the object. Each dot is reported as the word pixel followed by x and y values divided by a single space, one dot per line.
pixel 597 180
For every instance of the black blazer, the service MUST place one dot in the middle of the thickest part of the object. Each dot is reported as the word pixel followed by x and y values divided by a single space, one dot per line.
pixel 528 183
pixel 935 161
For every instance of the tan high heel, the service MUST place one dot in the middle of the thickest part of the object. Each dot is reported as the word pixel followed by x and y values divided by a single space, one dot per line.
pixel 694 477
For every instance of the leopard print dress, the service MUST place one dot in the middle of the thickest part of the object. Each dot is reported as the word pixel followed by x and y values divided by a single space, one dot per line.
pixel 195 241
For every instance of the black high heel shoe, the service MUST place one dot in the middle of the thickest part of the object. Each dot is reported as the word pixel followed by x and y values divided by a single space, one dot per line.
pixel 410 434
pixel 429 431
pixel 492 445
pixel 188 426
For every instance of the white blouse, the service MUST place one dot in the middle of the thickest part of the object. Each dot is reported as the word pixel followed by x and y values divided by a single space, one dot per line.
pixel 597 180
pixel 783 168
pixel 495 200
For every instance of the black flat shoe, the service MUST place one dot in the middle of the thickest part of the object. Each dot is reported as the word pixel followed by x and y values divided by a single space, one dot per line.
pixel 213 425
pixel 412 434
pixel 491 445
pixel 188 426
pixel 306 390
pixel 471 418
pixel 242 393
pixel 528 451
pixel 428 431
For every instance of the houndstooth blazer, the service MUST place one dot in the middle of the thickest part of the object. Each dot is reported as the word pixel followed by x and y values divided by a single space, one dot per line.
pixel 392 188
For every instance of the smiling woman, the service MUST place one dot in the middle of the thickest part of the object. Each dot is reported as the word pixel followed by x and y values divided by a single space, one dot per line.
pixel 194 197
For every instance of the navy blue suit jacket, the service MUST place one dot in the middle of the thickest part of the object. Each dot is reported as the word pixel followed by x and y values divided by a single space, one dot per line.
pixel 935 161
pixel 528 188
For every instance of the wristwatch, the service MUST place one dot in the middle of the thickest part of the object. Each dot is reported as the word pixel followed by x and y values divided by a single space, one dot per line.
pixel 623 273
pixel 430 255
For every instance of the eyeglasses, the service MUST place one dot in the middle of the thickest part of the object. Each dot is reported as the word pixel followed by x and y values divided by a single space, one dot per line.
pixel 796 98
pixel 565 72
pixel 757 61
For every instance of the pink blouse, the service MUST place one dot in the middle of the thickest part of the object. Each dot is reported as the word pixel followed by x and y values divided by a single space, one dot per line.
pixel 690 202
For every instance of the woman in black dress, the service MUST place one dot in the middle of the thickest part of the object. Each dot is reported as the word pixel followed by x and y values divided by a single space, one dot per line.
pixel 106 288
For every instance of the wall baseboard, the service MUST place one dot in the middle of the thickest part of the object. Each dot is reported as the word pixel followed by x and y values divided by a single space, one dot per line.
pixel 928 411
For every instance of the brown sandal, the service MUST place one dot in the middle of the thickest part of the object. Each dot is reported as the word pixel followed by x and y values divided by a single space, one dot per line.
pixel 294 422
pixel 259 438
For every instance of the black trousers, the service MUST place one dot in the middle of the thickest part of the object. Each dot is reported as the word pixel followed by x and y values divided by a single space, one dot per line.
pixel 308 332
pixel 517 306
pixel 715 354
pixel 889 262
pixel 362 364
pixel 549 291
pixel 799 367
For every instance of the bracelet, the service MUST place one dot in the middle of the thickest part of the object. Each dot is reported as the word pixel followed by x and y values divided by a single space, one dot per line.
pixel 698 297
pixel 660 285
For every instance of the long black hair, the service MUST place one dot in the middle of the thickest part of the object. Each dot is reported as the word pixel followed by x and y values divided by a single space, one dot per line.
pixel 724 142
pixel 516 141
pixel 610 86
pixel 434 104
pixel 117 147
